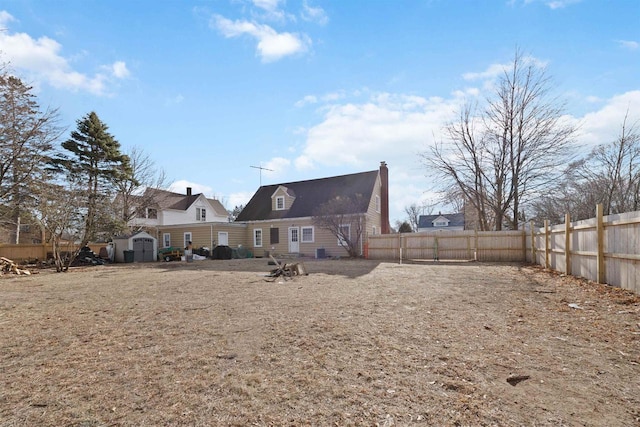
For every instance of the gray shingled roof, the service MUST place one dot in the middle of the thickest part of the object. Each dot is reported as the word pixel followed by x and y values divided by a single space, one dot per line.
pixel 170 200
pixel 309 195
pixel 455 220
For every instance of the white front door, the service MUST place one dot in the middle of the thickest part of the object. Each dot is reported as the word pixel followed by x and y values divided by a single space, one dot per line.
pixel 294 240
pixel 223 238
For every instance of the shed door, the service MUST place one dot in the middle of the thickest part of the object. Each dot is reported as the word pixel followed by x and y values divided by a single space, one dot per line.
pixel 143 249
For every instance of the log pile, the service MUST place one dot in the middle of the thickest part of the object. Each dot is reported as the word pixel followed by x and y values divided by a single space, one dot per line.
pixel 7 266
pixel 286 270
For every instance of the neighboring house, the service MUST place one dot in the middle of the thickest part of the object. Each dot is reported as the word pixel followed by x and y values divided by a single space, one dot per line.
pixel 176 219
pixel 441 221
pixel 279 217
pixel 161 207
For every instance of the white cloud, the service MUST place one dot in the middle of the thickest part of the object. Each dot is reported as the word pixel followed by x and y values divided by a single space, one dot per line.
pixel 277 166
pixel 387 126
pixel 553 4
pixel 6 17
pixel 628 44
pixel 120 70
pixel 174 101
pixel 496 70
pixel 603 126
pixel 271 46
pixel 268 5
pixel 309 99
pixel 237 199
pixel 41 59
pixel 181 187
pixel 314 14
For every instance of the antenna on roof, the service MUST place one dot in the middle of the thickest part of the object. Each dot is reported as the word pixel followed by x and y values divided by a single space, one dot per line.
pixel 261 169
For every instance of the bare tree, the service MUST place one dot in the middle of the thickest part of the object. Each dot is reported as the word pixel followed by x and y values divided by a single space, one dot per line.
pixel 344 218
pixel 618 165
pixel 413 212
pixel 609 175
pixel 27 134
pixel 509 152
pixel 59 210
pixel 131 187
pixel 462 164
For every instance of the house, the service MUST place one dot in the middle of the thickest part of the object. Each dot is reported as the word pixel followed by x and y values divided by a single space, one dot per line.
pixel 161 207
pixel 441 221
pixel 280 217
pixel 173 217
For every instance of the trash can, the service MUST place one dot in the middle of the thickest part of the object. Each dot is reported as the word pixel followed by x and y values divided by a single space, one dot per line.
pixel 128 255
pixel 188 255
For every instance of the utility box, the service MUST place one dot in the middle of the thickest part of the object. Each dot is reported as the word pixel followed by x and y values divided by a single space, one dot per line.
pixel 320 253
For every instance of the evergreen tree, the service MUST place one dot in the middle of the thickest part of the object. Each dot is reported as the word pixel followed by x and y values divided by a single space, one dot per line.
pixel 95 162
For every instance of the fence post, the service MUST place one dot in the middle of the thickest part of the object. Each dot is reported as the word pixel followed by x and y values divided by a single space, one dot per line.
pixel 475 254
pixel 400 246
pixel 600 231
pixel 567 244
pixel 533 243
pixel 547 245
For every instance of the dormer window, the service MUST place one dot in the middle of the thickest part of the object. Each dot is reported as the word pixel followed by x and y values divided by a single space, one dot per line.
pixel 201 214
pixel 280 203
pixel 440 224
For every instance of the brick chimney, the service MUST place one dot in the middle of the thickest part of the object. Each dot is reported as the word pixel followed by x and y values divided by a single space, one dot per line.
pixel 188 191
pixel 385 227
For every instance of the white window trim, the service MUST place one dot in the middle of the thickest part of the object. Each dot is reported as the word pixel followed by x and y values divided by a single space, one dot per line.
pixel 279 198
pixel 201 214
pixel 313 234
pixel 164 240
pixel 190 239
pixel 377 204
pixel 255 241
pixel 342 242
pixel 373 232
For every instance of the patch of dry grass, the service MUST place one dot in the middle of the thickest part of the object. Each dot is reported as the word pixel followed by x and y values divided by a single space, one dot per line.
pixel 353 343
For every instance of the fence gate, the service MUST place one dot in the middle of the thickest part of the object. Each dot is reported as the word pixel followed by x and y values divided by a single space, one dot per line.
pixel 143 249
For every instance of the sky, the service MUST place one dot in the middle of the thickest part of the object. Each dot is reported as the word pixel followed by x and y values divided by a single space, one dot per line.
pixel 309 89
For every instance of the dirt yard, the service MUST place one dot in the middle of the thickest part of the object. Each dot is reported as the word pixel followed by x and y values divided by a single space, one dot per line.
pixel 354 343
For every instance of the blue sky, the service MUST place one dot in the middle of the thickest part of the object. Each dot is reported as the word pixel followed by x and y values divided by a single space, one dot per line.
pixel 312 88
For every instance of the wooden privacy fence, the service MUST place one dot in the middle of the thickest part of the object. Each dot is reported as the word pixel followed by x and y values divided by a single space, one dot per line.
pixel 506 246
pixel 605 249
pixel 37 251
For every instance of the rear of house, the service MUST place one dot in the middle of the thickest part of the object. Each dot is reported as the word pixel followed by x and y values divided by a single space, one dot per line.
pixel 280 217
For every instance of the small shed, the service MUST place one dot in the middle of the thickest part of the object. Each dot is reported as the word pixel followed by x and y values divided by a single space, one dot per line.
pixel 143 245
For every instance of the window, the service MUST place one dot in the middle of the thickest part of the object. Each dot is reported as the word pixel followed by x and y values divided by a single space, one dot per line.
pixel 440 224
pixel 280 203
pixel 307 234
pixel 223 238
pixel 201 214
pixel 373 231
pixel 187 238
pixel 274 236
pixel 141 212
pixel 257 237
pixel 166 240
pixel 378 204
pixel 152 213
pixel 345 233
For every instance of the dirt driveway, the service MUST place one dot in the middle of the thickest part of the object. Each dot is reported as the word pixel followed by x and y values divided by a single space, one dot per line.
pixel 353 343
